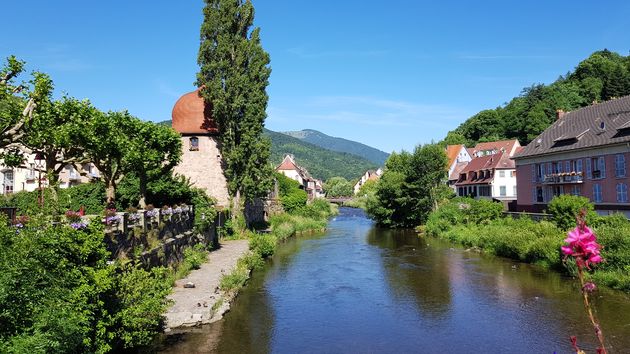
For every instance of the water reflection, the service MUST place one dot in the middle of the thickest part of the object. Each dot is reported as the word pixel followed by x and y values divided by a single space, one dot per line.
pixel 361 289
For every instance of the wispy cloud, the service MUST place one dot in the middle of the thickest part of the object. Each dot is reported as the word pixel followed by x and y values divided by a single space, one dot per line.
pixel 307 54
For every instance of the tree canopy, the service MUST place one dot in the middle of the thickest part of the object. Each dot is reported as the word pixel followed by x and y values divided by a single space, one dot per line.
pixel 234 73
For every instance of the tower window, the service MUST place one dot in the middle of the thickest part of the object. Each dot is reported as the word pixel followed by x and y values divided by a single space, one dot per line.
pixel 194 143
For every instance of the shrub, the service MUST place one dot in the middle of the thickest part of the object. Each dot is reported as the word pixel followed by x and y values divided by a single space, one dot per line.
pixel 294 200
pixel 564 210
pixel 263 244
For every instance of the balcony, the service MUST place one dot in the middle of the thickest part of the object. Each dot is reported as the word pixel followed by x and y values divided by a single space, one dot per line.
pixel 563 178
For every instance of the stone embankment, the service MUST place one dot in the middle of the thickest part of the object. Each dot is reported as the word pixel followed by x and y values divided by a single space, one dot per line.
pixel 205 302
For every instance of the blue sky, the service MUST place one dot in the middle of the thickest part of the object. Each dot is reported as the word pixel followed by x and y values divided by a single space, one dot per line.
pixel 389 74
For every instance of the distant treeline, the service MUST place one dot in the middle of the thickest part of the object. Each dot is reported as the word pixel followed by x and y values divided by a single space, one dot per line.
pixel 604 75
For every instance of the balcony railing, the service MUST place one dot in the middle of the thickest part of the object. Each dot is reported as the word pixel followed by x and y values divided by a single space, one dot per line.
pixel 563 178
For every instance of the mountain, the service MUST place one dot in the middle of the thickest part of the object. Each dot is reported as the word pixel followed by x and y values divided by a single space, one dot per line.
pixel 321 163
pixel 602 76
pixel 341 145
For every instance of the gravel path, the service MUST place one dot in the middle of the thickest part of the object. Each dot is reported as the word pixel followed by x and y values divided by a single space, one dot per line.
pixel 193 306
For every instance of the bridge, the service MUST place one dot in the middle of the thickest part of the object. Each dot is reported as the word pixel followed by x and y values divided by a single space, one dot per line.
pixel 339 201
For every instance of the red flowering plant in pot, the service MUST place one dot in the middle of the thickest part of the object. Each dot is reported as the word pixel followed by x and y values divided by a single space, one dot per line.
pixel 582 246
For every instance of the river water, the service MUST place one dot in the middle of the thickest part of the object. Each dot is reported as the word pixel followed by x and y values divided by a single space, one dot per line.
pixel 361 289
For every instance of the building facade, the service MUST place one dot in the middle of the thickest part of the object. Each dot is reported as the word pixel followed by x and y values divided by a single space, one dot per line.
pixel 583 153
pixel 201 158
pixel 458 157
pixel 312 186
pixel 370 175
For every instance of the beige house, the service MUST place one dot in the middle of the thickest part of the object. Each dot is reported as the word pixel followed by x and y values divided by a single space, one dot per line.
pixel 312 186
pixel 370 175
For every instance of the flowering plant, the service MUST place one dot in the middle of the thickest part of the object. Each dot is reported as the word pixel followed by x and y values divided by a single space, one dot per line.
pixel 132 214
pixel 583 246
pixel 177 210
pixel 185 208
pixel 73 216
pixel 111 218
pixel 167 210
pixel 79 225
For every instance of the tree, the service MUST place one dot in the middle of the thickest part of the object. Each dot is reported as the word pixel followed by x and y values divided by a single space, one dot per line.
pixel 234 74
pixel 56 131
pixel 106 144
pixel 153 151
pixel 18 102
pixel 338 187
pixel 411 187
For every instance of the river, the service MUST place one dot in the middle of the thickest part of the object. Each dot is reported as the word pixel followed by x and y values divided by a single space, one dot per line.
pixel 361 289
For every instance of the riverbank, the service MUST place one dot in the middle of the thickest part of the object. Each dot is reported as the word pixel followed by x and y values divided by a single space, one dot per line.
pixel 479 224
pixel 205 302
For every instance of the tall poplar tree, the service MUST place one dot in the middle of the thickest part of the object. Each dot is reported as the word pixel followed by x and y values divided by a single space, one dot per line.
pixel 234 73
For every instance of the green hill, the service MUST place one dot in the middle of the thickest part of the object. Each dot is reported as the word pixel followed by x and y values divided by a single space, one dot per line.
pixel 320 162
pixel 600 77
pixel 341 145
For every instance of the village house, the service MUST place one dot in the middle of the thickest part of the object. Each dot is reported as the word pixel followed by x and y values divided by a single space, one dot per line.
pixel 458 157
pixel 491 172
pixel 584 153
pixel 31 174
pixel 370 175
pixel 312 186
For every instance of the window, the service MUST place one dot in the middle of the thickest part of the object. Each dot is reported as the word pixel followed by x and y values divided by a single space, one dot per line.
pixel 597 193
pixel 540 172
pixel 567 166
pixel 194 144
pixel 8 182
pixel 599 167
pixel 575 190
pixel 620 165
pixel 512 173
pixel 502 191
pixel 514 191
pixel 501 173
pixel 578 166
pixel 622 192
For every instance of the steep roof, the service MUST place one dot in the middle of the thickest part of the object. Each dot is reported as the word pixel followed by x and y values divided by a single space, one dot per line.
pixel 607 123
pixel 288 164
pixel 489 162
pixel 498 146
pixel 451 153
pixel 459 167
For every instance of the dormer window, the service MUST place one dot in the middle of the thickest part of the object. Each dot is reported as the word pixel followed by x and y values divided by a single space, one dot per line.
pixel 194 143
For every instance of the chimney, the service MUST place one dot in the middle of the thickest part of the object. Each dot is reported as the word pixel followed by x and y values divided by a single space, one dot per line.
pixel 560 113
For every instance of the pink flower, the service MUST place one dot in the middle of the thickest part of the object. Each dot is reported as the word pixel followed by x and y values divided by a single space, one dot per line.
pixel 582 245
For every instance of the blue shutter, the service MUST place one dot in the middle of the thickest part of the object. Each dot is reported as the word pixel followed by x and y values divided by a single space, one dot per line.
pixel 567 166
pixel 602 165
pixel 589 172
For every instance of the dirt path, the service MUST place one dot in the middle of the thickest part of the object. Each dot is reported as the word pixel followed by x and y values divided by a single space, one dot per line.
pixel 193 306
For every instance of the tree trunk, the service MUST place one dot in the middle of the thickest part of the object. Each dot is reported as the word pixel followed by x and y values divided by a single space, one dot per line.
pixel 143 191
pixel 111 193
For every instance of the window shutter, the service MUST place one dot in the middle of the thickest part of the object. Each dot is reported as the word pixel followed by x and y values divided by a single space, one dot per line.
pixel 567 166
pixel 533 172
pixel 589 172
pixel 602 165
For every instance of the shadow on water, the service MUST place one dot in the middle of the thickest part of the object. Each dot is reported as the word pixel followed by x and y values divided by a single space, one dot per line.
pixel 362 289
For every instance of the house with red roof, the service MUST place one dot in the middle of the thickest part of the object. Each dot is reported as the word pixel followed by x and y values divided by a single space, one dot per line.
pixel 458 158
pixel 312 186
pixel 491 173
pixel 584 153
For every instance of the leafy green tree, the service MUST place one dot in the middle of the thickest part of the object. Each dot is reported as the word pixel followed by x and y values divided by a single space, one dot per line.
pixel 18 102
pixel 56 131
pixel 338 187
pixel 107 145
pixel 153 151
pixel 233 76
pixel 410 188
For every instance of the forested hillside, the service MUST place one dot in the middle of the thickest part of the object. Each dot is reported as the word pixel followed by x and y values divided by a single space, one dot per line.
pixel 602 76
pixel 320 162
pixel 340 144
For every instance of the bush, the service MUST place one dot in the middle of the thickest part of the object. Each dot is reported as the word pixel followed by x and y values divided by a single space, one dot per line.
pixel 565 208
pixel 263 244
pixel 294 201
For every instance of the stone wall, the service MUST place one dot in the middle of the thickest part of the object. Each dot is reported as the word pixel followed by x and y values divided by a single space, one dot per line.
pixel 203 166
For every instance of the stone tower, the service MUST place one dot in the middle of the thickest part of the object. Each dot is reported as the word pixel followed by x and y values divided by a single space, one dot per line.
pixel 201 158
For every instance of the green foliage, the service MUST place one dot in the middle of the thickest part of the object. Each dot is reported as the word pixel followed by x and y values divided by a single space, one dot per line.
pixel 320 162
pixel 322 140
pixel 195 256
pixel 234 281
pixel 233 76
pixel 338 187
pixel 565 208
pixel 462 211
pixel 291 196
pixel 600 77
pixel 410 188
pixel 263 244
